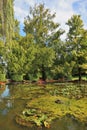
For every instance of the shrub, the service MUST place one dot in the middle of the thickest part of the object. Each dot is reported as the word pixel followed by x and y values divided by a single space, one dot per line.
pixel 2 77
pixel 17 77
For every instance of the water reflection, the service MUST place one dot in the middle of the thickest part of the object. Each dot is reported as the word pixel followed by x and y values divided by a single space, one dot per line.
pixel 9 103
pixel 9 108
pixel 0 99
pixel 67 123
pixel 6 92
pixel 5 111
pixel 5 102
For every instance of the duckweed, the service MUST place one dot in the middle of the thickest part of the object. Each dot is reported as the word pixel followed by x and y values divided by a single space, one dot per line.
pixel 41 107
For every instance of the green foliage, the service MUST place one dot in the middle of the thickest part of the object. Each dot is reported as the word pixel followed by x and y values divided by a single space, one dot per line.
pixel 3 63
pixel 2 77
pixel 44 32
pixel 2 48
pixel 17 77
pixel 7 20
pixel 45 56
pixel 72 91
pixel 40 24
pixel 16 58
pixel 35 116
pixel 77 45
pixel 43 61
pixel 30 50
pixel 41 53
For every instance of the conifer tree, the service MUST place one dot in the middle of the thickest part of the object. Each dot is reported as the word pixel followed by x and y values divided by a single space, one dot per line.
pixel 77 45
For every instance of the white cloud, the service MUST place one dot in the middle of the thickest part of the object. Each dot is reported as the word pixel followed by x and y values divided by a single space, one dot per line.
pixel 21 8
pixel 64 10
pixel 82 10
pixel 20 15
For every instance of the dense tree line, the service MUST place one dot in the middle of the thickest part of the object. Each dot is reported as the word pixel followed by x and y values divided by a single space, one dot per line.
pixel 42 53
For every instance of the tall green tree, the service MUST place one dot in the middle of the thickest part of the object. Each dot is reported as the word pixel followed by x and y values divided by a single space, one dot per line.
pixel 77 44
pixel 0 26
pixel 16 30
pixel 43 62
pixel 2 58
pixel 40 23
pixel 30 50
pixel 15 55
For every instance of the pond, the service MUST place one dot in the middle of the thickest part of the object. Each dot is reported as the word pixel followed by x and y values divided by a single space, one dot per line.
pixel 10 106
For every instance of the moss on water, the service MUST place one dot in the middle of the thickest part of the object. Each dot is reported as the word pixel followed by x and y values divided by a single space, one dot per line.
pixel 44 101
pixel 77 108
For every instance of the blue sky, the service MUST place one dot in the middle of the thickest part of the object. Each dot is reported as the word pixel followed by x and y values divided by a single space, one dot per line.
pixel 64 10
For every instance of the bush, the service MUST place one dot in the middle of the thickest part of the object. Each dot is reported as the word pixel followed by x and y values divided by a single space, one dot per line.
pixel 17 77
pixel 2 77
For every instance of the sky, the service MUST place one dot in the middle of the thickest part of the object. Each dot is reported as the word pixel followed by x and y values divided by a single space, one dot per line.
pixel 64 10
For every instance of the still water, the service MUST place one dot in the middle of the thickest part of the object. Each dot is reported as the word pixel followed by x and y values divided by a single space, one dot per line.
pixel 9 108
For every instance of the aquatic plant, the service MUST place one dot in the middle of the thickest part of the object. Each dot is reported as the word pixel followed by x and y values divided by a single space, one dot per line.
pixel 34 117
pixel 41 107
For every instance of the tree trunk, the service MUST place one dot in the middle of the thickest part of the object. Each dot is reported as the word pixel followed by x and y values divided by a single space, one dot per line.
pixel 43 73
pixel 79 72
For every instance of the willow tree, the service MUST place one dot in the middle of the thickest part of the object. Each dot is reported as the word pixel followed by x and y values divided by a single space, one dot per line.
pixel 7 20
pixel 40 23
pixel 77 45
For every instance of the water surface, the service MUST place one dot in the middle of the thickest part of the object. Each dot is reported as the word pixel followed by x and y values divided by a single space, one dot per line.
pixel 9 107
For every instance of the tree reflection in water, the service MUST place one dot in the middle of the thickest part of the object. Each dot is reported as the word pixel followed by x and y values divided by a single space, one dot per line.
pixel 6 92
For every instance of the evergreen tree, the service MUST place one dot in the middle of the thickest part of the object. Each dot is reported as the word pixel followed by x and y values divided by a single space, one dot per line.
pixel 40 23
pixel 77 45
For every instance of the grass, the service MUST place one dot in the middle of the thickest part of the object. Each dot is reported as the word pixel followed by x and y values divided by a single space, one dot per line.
pixel 83 78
